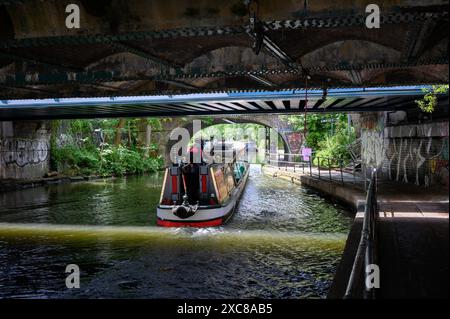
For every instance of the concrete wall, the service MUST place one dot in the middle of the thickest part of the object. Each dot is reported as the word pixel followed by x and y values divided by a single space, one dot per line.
pixel 24 149
pixel 406 151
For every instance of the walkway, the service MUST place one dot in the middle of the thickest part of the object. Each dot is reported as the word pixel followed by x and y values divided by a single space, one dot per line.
pixel 413 236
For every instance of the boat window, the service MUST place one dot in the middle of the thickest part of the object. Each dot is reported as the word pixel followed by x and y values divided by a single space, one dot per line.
pixel 221 185
pixel 229 179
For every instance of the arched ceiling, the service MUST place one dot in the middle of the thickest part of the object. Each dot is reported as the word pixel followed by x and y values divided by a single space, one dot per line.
pixel 139 47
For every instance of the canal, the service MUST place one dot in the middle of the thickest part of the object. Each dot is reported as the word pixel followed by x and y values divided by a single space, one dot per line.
pixel 283 242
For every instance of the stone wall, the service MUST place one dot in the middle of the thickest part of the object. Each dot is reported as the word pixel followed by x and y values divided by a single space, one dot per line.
pixel 406 152
pixel 24 149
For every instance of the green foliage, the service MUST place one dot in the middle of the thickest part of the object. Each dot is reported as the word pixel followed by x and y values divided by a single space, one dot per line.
pixel 236 131
pixel 81 126
pixel 82 156
pixel 318 126
pixel 152 164
pixel 334 148
pixel 207 120
pixel 114 160
pixel 327 134
pixel 77 159
pixel 429 101
pixel 120 161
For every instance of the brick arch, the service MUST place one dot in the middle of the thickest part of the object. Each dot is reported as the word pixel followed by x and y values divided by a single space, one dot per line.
pixel 225 58
pixel 300 42
pixel 273 122
pixel 350 51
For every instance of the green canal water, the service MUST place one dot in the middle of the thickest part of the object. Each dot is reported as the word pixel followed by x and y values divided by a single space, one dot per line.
pixel 283 242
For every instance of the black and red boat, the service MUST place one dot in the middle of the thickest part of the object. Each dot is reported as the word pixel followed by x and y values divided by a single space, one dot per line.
pixel 202 194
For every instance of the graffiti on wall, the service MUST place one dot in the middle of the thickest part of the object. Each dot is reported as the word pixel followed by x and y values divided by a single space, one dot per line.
pixel 295 141
pixel 23 152
pixel 409 154
pixel 416 160
pixel 418 153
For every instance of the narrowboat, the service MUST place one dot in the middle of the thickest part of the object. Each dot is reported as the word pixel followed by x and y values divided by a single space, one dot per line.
pixel 201 194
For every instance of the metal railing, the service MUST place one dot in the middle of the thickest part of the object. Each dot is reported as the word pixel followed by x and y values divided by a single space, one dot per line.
pixel 332 169
pixel 354 149
pixel 367 249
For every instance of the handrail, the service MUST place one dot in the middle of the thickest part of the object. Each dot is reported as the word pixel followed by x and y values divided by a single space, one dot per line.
pixel 313 155
pixel 285 154
pixel 322 163
pixel 367 253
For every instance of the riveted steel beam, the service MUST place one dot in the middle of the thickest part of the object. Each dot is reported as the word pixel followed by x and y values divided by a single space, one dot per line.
pixel 17 57
pixel 355 20
pixel 131 36
pixel 261 80
pixel 355 76
pixel 106 76
pixel 278 53
pixel 262 40
pixel 180 84
pixel 26 88
pixel 314 23
pixel 314 69
pixel 417 34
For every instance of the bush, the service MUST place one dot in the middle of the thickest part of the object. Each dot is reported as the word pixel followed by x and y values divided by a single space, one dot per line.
pixel 120 161
pixel 334 148
pixel 152 164
pixel 77 158
pixel 115 160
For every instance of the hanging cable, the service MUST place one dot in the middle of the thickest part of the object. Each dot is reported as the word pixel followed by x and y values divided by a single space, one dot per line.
pixel 305 123
pixel 256 25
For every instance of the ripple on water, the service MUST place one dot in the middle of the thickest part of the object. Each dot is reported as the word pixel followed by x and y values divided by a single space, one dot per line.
pixel 283 242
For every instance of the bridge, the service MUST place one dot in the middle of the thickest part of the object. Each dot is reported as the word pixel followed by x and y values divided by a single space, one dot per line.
pixel 273 124
pixel 263 102
pixel 248 62
pixel 142 48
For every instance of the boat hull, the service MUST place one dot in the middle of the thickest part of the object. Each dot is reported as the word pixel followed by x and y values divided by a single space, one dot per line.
pixel 205 216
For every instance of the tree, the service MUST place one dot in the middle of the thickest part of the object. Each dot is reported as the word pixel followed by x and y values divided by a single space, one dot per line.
pixel 318 126
pixel 327 134
pixel 429 101
pixel 119 128
pixel 145 133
